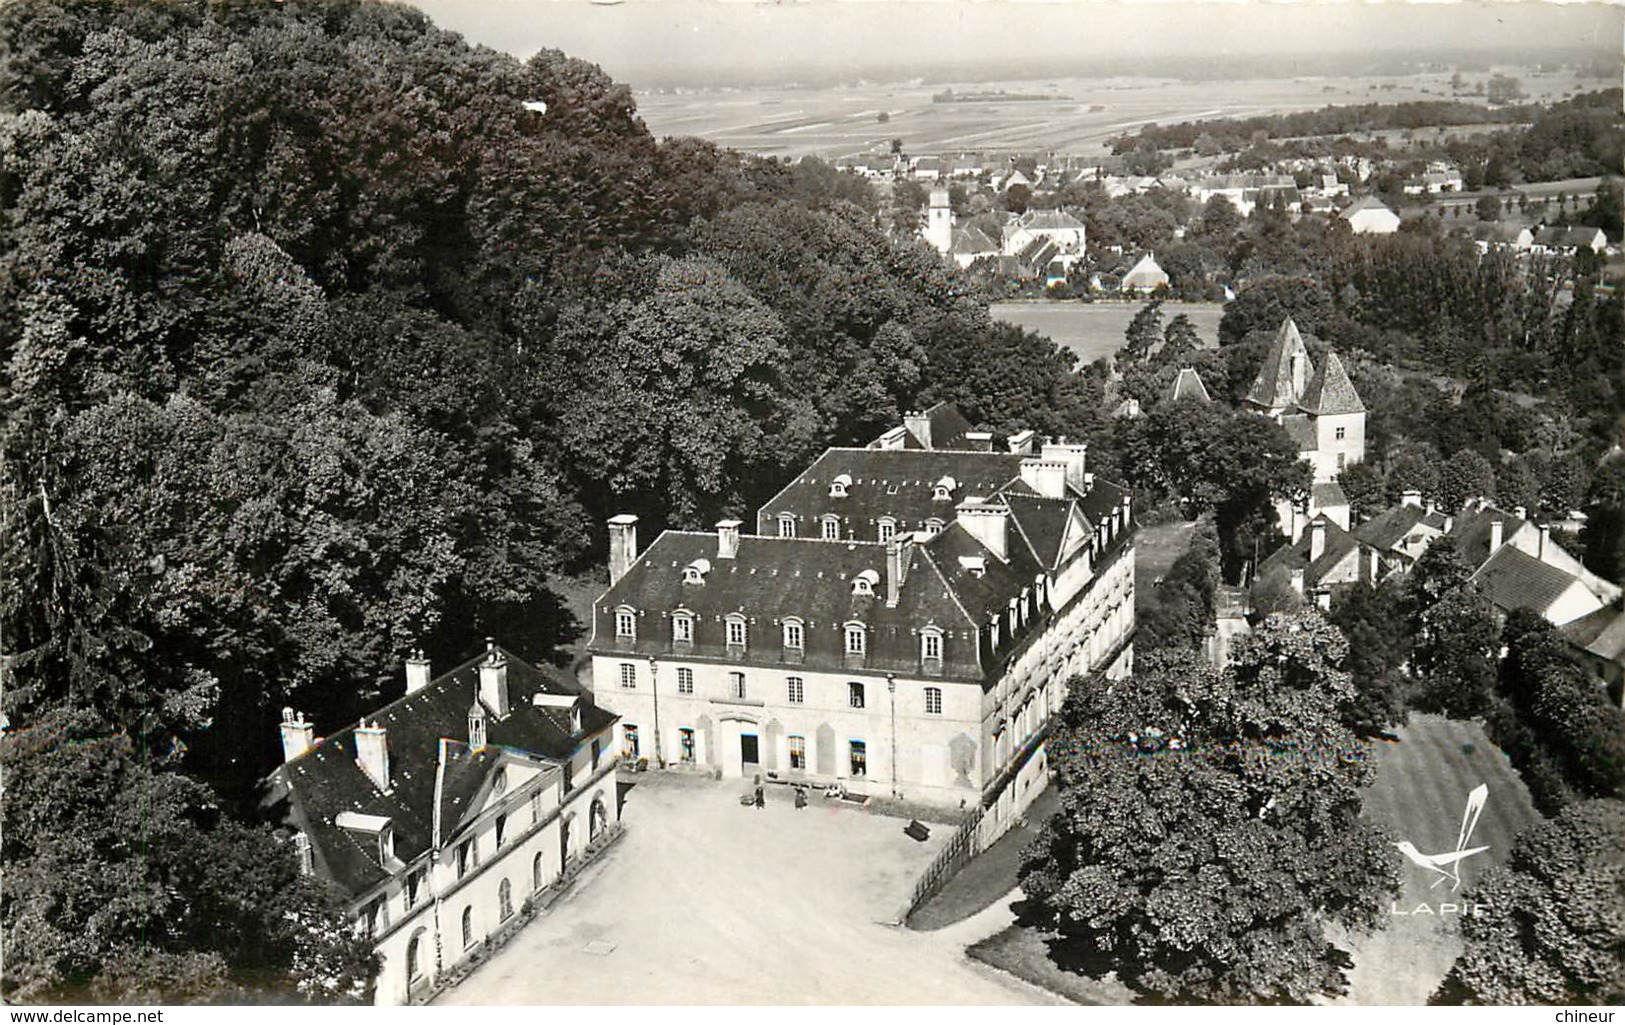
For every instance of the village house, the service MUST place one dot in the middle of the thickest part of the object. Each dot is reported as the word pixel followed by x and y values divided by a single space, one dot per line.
pixel 1324 561
pixel 1368 216
pixel 1145 276
pixel 1400 535
pixel 443 815
pixel 903 623
pixel 1568 241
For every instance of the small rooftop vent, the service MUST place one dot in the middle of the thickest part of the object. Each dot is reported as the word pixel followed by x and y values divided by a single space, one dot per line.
pixel 865 581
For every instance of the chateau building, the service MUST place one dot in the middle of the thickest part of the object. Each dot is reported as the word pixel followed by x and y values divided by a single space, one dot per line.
pixel 904 622
pixel 1322 412
pixel 443 812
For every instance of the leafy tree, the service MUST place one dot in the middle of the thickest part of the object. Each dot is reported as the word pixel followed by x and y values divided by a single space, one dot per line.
pixel 1366 488
pixel 1142 333
pixel 1551 929
pixel 1465 475
pixel 1488 208
pixel 1377 653
pixel 126 884
pixel 1226 791
pixel 1603 536
pixel 1266 302
pixel 1455 655
pixel 1179 610
pixel 1180 339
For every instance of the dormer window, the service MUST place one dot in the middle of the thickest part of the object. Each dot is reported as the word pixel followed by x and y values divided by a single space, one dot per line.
pixel 856 638
pixel 931 644
pixel 864 583
pixel 933 526
pixel 795 637
pixel 682 628
pixel 838 487
pixel 943 490
pixel 831 527
pixel 626 624
pixel 735 625
pixel 694 572
pixel 787 525
pixel 886 529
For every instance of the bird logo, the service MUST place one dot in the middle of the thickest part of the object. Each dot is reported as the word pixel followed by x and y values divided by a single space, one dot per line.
pixel 1448 864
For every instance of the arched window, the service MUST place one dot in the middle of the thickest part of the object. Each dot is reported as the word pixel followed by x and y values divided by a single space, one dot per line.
pixel 414 959
pixel 468 927
pixel 538 878
pixel 682 627
pixel 831 528
pixel 626 623
pixel 787 525
pixel 931 644
pixel 505 900
pixel 795 637
pixel 735 631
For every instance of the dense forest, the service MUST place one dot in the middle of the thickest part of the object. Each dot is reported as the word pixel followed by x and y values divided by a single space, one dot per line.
pixel 327 336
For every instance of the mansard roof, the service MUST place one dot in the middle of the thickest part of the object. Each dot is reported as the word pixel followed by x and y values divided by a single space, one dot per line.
pixel 895 483
pixel 426 735
pixel 1274 387
pixel 1330 391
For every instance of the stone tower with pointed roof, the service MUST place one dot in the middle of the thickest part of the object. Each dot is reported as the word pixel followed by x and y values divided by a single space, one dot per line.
pixel 1322 412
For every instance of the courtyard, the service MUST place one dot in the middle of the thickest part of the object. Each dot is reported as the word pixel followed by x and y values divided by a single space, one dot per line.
pixel 708 902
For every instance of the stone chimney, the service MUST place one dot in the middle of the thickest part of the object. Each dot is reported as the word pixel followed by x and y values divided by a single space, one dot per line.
pixel 1495 535
pixel 372 753
pixel 1073 455
pixel 1545 542
pixel 728 539
pixel 897 557
pixel 1297 580
pixel 417 672
pixel 1317 539
pixel 298 736
pixel 1411 498
pixel 1021 443
pixel 1128 510
pixel 623 545
pixel 987 523
pixel 892 439
pixel 494 680
pixel 978 441
pixel 919 425
pixel 1520 512
pixel 1045 476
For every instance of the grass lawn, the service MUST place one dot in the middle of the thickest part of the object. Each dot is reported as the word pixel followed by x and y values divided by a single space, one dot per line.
pixel 1024 953
pixel 1420 793
pixel 1094 330
pixel 1156 548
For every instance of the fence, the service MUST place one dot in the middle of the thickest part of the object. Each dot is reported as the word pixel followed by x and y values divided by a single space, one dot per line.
pixel 964 845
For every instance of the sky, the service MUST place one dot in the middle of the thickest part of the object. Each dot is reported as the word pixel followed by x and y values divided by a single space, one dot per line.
pixel 640 41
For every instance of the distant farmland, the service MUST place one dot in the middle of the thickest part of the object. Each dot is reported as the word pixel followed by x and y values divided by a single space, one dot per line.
pixel 1093 330
pixel 842 121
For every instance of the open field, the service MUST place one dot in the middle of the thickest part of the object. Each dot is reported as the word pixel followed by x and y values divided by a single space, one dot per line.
pixel 845 120
pixel 707 902
pixel 1093 330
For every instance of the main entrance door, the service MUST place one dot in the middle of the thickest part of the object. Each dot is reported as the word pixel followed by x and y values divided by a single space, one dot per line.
pixel 748 754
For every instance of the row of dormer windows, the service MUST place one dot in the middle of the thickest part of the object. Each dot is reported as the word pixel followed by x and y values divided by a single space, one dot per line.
pixel 795 689
pixel 736 630
pixel 829 527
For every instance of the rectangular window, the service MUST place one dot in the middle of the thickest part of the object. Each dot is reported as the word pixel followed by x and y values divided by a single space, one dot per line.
pixel 597 752
pixel 854 695
pixel 931 646
pixel 535 807
pixel 794 638
pixel 832 529
pixel 501 829
pixel 685 681
pixel 682 629
pixel 626 624
pixel 736 686
pixel 860 758
pixel 1342 433
pixel 798 752
pixel 887 530
pixel 933 701
pixel 795 692
pixel 685 745
pixel 854 640
pixel 464 858
pixel 629 742
pixel 629 675
pixel 411 895
pixel 787 526
pixel 736 632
